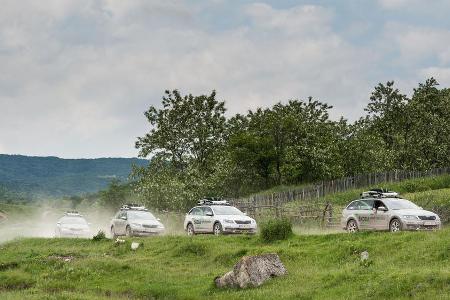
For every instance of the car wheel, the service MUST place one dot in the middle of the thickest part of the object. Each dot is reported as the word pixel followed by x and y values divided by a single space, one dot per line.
pixel 217 228
pixel 190 229
pixel 395 225
pixel 128 231
pixel 352 226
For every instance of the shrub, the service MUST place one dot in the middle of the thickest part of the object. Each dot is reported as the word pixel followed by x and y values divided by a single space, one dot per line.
pixel 99 236
pixel 276 229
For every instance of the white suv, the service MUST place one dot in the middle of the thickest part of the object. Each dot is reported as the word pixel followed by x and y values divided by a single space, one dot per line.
pixel 218 217
pixel 393 214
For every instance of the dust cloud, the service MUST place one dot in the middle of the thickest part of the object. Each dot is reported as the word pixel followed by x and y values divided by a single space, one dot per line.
pixel 41 222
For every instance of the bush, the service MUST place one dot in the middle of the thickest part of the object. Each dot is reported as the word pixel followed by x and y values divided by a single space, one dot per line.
pixel 276 229
pixel 99 236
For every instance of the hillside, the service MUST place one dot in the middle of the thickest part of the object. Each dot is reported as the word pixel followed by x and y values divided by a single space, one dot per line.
pixel 53 176
pixel 405 265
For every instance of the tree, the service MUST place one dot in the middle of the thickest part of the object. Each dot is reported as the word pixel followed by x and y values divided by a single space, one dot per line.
pixel 186 136
pixel 114 196
pixel 185 130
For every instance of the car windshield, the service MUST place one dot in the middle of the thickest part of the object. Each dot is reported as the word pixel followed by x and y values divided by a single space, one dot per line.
pixel 400 204
pixel 141 215
pixel 227 210
pixel 74 220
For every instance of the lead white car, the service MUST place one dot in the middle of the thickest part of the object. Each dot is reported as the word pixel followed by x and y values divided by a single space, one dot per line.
pixel 383 212
pixel 218 217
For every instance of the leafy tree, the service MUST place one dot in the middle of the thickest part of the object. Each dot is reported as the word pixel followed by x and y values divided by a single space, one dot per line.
pixel 114 196
pixel 187 129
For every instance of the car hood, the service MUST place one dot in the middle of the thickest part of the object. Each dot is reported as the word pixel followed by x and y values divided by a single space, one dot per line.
pixel 415 212
pixel 75 226
pixel 146 222
pixel 235 217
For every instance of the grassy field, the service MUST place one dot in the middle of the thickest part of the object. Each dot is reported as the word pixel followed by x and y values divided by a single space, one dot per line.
pixel 404 265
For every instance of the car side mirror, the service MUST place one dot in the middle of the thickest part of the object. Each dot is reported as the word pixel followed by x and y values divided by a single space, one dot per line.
pixel 209 214
pixel 123 218
pixel 382 208
pixel 245 214
pixel 158 219
pixel 59 223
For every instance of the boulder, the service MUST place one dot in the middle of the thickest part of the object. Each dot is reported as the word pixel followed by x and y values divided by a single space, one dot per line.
pixel 252 271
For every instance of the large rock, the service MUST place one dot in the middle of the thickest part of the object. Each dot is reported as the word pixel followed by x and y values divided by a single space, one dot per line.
pixel 252 271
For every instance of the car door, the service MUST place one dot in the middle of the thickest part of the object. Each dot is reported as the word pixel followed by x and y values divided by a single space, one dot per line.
pixel 121 222
pixel 196 217
pixel 380 218
pixel 207 219
pixel 365 214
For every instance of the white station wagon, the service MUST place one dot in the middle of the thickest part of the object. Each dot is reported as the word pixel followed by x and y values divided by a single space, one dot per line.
pixel 72 224
pixel 217 217
pixel 393 214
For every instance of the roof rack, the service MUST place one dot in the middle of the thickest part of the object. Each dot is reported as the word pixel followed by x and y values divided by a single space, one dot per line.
pixel 133 206
pixel 379 193
pixel 212 201
pixel 73 213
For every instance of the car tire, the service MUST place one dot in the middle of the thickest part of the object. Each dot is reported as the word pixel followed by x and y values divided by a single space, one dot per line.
pixel 352 226
pixel 128 231
pixel 395 225
pixel 217 228
pixel 190 229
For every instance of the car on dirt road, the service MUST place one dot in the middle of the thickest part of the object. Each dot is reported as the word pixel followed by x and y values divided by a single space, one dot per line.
pixel 135 220
pixel 72 224
pixel 217 217
pixel 382 211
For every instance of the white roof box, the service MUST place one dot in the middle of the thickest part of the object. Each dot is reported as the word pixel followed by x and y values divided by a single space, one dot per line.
pixel 379 193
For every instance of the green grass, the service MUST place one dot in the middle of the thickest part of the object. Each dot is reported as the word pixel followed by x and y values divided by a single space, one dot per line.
pixel 404 265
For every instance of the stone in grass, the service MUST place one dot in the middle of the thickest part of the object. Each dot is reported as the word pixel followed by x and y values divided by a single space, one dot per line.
pixel 252 271
pixel 364 256
pixel 134 245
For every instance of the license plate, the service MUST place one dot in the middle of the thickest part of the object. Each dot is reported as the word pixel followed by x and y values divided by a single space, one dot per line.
pixel 429 223
pixel 243 226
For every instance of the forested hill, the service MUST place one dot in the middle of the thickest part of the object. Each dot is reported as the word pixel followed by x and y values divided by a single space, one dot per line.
pixel 53 176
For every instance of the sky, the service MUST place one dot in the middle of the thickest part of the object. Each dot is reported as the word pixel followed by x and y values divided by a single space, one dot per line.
pixel 76 76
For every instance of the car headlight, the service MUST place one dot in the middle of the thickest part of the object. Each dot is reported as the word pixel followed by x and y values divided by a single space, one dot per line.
pixel 253 221
pixel 410 217
pixel 437 218
pixel 160 226
pixel 136 224
pixel 228 221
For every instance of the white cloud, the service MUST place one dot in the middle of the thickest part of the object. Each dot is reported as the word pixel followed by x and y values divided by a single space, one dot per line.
pixel 79 74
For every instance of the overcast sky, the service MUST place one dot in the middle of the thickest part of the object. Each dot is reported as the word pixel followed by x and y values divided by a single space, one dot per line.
pixel 76 76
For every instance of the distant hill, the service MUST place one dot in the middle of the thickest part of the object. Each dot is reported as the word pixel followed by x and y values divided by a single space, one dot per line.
pixel 53 176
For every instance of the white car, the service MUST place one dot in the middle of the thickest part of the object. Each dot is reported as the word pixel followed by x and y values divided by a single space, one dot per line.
pixel 217 217
pixel 393 214
pixel 72 224
pixel 135 220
